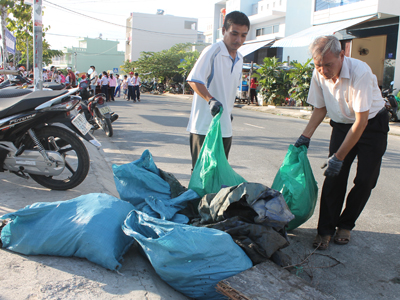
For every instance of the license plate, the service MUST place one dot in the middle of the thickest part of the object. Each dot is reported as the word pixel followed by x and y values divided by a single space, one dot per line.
pixel 81 124
pixel 105 109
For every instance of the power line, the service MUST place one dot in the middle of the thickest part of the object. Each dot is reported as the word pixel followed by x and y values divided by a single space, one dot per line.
pixel 123 26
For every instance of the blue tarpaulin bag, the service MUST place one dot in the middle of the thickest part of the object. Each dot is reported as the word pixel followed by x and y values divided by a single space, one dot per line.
pixel 89 226
pixel 295 180
pixel 212 170
pixel 141 183
pixel 190 259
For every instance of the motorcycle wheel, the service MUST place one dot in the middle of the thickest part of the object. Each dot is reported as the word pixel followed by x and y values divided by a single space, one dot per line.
pixel 75 155
pixel 107 127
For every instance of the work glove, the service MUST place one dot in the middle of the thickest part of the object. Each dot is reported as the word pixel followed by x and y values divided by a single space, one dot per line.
pixel 215 106
pixel 334 166
pixel 302 140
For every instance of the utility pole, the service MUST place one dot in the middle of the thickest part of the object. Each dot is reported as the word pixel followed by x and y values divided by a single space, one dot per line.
pixel 37 45
pixel 75 54
pixel 27 50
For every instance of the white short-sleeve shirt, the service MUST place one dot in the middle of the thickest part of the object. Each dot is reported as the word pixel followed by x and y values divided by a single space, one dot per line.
pixel 216 69
pixel 356 90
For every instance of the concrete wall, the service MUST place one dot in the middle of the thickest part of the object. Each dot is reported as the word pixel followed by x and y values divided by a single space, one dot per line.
pixel 298 18
pixel 159 32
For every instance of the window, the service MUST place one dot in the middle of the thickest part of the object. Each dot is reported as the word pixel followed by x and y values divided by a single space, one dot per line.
pixel 267 30
pixel 325 4
pixel 190 25
pixel 267 6
pixel 273 4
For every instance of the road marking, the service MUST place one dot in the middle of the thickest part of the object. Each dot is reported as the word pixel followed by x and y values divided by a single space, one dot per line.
pixel 253 125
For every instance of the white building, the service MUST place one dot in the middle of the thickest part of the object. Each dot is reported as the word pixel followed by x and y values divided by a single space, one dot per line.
pixel 368 30
pixel 267 23
pixel 157 32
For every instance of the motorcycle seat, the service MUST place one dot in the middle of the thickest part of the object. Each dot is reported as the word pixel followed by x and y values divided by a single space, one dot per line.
pixel 15 105
pixel 54 85
pixel 12 92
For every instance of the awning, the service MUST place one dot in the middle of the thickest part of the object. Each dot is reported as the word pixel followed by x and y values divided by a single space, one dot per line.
pixel 246 49
pixel 305 37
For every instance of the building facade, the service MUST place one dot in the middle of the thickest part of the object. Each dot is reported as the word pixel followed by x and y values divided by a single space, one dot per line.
pixel 267 23
pixel 367 29
pixel 157 32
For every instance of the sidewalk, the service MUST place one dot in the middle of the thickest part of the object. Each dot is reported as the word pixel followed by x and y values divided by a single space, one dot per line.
pixel 288 111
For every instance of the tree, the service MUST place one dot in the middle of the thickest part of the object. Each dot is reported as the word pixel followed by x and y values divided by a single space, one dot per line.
pixel 162 65
pixel 128 66
pixel 274 81
pixel 19 22
pixel 300 76
pixel 188 62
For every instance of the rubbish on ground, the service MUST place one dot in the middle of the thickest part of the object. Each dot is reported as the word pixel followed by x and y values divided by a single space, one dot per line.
pixel 190 259
pixel 269 281
pixel 88 227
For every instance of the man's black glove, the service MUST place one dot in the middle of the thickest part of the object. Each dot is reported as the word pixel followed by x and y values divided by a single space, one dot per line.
pixel 302 140
pixel 215 106
pixel 334 166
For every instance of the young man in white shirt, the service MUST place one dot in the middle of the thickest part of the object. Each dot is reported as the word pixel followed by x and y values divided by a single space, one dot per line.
pixel 347 89
pixel 215 78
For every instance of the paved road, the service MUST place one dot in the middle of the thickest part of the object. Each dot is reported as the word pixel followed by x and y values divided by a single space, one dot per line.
pixel 369 268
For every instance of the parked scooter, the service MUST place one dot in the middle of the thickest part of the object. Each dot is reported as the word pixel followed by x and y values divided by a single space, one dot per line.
pixel 98 113
pixel 391 103
pixel 33 142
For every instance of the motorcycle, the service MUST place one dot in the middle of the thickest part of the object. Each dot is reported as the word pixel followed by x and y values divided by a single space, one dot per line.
pixel 39 137
pixel 98 113
pixel 391 103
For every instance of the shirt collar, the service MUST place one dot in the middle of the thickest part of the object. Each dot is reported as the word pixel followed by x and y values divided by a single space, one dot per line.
pixel 345 72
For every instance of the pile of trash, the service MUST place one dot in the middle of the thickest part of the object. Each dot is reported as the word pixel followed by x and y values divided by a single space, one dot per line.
pixel 193 238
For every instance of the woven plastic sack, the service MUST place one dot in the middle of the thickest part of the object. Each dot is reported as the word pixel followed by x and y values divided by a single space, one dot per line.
pixel 295 180
pixel 212 170
pixel 190 259
pixel 89 226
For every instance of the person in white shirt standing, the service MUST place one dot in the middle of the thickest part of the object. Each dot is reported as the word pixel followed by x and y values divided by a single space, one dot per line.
pixel 214 79
pixel 104 84
pixel 130 86
pixel 136 87
pixel 348 91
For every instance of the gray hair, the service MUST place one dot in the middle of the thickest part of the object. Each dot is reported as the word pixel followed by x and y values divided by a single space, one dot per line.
pixel 323 44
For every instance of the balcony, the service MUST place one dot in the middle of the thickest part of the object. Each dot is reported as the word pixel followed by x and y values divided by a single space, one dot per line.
pixel 268 10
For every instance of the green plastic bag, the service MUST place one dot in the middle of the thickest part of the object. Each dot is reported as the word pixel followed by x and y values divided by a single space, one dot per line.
pixel 296 182
pixel 212 170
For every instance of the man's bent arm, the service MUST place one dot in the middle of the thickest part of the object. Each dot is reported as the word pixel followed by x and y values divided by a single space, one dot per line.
pixel 317 117
pixel 201 90
pixel 353 135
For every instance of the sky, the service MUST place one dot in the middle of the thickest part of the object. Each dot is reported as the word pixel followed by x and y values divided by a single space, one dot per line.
pixel 70 19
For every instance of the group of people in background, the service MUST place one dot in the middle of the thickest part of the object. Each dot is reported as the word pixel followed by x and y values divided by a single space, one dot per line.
pixel 111 85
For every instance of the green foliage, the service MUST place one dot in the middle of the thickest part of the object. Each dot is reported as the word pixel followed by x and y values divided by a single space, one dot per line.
pixel 128 67
pixel 19 22
pixel 277 81
pixel 274 80
pixel 188 63
pixel 162 65
pixel 301 76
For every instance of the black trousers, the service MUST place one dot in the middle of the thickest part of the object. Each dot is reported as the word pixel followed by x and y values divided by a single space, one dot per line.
pixel 369 151
pixel 196 142
pixel 253 95
pixel 130 92
pixel 104 90
pixel 136 92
